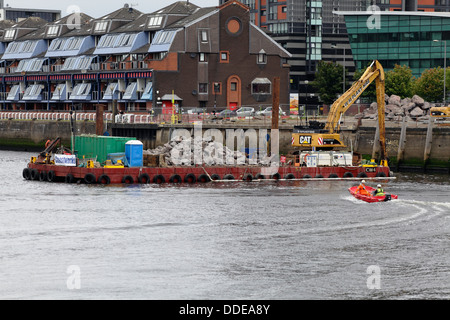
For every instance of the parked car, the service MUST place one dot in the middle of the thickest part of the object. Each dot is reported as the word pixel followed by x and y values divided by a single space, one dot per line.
pixel 227 113
pixel 245 112
pixel 194 111
pixel 267 112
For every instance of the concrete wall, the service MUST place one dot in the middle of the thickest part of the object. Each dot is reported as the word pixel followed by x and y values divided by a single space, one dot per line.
pixel 32 134
pixel 363 141
pixel 24 135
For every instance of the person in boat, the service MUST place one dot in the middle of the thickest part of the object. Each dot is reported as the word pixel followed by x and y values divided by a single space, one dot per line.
pixel 379 192
pixel 362 189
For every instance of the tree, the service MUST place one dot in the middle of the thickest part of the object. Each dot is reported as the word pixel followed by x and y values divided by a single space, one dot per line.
pixel 429 85
pixel 328 81
pixel 400 81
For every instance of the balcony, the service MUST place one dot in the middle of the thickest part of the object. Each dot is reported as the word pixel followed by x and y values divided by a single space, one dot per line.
pixel 125 65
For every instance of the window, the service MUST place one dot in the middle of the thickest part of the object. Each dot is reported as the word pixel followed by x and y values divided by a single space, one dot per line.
pixel 148 92
pixel 202 57
pixel 85 63
pixel 130 92
pixel 204 36
pixel 81 91
pixel 261 86
pixel 224 57
pixel 52 31
pixel 28 46
pixel 78 63
pixel 22 65
pixel 233 86
pixel 164 37
pixel 155 21
pixel 159 55
pixel 68 64
pixel 33 92
pixel 101 26
pixel 107 42
pixel 57 44
pixel 9 34
pixel 13 93
pixel 126 40
pixel 110 91
pixel 262 57
pixel 35 65
pixel 202 88
pixel 74 43
pixel 12 47
pixel 60 92
pixel 273 13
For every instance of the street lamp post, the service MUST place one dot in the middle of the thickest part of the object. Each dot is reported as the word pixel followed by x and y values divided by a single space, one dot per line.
pixel 299 118
pixel 343 66
pixel 445 66
pixel 343 83
pixel 306 102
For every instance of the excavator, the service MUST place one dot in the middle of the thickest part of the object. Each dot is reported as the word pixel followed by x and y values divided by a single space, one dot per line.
pixel 440 112
pixel 325 136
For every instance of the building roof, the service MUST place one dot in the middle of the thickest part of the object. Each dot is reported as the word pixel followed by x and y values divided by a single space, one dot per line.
pixel 30 23
pixel 33 35
pixel 24 27
pixel 176 15
pixel 4 24
pixel 180 7
pixel 139 24
pixel 114 19
pixel 126 13
pixel 196 15
pixel 73 18
pixel 259 39
pixel 66 24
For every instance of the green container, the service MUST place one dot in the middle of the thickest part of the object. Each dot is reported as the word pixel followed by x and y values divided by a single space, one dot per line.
pixel 98 147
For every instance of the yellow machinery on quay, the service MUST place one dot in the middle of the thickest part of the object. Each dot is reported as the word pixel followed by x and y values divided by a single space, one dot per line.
pixel 325 136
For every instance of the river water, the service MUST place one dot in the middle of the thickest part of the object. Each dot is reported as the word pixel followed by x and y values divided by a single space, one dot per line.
pixel 249 241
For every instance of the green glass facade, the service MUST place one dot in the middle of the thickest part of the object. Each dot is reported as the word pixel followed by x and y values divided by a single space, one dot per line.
pixel 399 39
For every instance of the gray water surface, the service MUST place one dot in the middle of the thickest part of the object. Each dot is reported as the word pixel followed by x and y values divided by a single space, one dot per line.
pixel 258 240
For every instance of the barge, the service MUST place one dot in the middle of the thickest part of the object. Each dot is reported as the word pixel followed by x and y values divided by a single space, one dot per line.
pixel 200 174
pixel 49 167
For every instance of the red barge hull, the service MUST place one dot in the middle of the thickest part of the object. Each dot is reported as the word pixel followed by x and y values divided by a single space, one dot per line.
pixel 187 174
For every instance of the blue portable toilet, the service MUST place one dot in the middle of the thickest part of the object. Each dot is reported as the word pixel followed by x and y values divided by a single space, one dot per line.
pixel 134 152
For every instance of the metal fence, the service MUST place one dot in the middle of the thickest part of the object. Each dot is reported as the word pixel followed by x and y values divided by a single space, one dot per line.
pixel 156 115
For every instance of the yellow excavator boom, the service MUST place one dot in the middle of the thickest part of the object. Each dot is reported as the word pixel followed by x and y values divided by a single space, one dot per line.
pixel 374 72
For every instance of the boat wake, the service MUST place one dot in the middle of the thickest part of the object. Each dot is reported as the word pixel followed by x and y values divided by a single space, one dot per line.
pixel 400 211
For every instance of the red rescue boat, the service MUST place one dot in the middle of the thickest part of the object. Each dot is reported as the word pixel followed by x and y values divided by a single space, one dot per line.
pixel 371 198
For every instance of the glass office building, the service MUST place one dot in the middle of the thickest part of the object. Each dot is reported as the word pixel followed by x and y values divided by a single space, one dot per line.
pixel 415 39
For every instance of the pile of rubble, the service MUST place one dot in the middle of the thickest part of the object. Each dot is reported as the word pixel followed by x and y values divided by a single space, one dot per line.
pixel 414 108
pixel 190 151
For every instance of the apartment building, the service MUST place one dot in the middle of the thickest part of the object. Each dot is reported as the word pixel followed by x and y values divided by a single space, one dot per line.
pixel 312 32
pixel 181 54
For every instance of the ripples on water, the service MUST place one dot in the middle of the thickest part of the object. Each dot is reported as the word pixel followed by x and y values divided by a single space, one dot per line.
pixel 259 240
